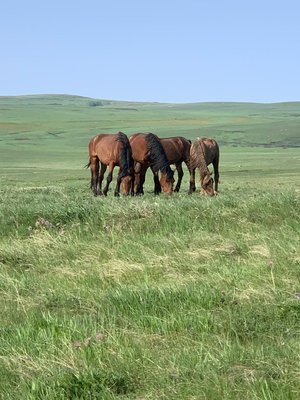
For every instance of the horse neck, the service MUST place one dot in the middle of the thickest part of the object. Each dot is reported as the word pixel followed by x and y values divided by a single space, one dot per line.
pixel 202 163
pixel 165 168
pixel 125 155
pixel 158 157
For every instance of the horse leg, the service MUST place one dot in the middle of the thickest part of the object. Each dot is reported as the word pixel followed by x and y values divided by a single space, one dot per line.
pixel 94 173
pixel 117 189
pixel 180 175
pixel 137 177
pixel 132 185
pixel 192 180
pixel 157 187
pixel 216 172
pixel 109 178
pixel 141 180
pixel 100 179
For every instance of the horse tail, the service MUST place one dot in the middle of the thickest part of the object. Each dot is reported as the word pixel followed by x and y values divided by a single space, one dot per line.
pixel 125 159
pixel 157 156
pixel 87 165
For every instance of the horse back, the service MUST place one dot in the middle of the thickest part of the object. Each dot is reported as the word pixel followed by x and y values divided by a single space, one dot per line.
pixel 139 147
pixel 211 150
pixel 177 149
pixel 106 147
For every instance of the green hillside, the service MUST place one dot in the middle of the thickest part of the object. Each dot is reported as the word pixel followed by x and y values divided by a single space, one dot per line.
pixel 45 118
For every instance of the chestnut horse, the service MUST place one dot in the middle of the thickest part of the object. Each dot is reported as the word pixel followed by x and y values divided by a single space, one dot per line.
pixel 203 152
pixel 147 151
pixel 111 150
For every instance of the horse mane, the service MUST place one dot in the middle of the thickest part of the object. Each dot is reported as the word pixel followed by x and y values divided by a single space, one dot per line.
pixel 197 157
pixel 157 156
pixel 125 157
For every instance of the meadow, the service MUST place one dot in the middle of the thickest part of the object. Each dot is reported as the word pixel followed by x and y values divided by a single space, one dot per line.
pixel 185 297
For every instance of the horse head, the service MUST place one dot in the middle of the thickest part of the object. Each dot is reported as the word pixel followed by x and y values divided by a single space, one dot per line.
pixel 167 181
pixel 126 184
pixel 207 185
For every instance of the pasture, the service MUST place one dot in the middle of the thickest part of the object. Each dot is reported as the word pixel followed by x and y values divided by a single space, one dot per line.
pixel 148 297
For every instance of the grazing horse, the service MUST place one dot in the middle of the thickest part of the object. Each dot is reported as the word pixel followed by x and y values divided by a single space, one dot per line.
pixel 203 152
pixel 147 151
pixel 177 150
pixel 111 150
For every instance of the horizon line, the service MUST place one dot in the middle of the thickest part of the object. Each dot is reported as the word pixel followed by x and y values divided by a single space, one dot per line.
pixel 147 101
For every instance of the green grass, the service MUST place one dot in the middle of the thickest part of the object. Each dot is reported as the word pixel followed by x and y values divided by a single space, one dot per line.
pixel 147 298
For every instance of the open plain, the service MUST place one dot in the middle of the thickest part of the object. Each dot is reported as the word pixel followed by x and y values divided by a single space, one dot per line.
pixel 186 297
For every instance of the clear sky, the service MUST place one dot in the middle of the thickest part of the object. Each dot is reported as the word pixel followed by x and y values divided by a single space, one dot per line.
pixel 152 50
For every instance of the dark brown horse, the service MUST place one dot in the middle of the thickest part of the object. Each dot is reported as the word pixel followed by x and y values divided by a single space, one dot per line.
pixel 177 150
pixel 147 151
pixel 204 152
pixel 111 150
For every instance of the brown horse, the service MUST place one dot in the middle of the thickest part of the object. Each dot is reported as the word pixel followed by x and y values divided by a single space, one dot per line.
pixel 111 150
pixel 203 152
pixel 177 150
pixel 147 151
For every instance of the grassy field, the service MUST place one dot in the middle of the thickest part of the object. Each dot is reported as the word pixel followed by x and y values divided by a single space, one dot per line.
pixel 148 298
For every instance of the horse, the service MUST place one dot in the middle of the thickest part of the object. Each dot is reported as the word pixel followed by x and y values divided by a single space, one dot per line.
pixel 111 150
pixel 147 151
pixel 204 152
pixel 177 150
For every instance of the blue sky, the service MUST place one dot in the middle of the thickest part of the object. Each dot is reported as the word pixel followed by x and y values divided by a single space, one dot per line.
pixel 154 50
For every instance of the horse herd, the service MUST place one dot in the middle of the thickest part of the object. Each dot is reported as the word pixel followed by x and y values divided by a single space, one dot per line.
pixel 134 155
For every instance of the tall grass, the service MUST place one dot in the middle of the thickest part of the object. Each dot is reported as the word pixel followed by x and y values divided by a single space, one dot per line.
pixel 149 297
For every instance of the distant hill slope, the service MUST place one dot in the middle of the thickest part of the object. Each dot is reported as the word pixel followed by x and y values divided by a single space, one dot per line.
pixel 58 119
